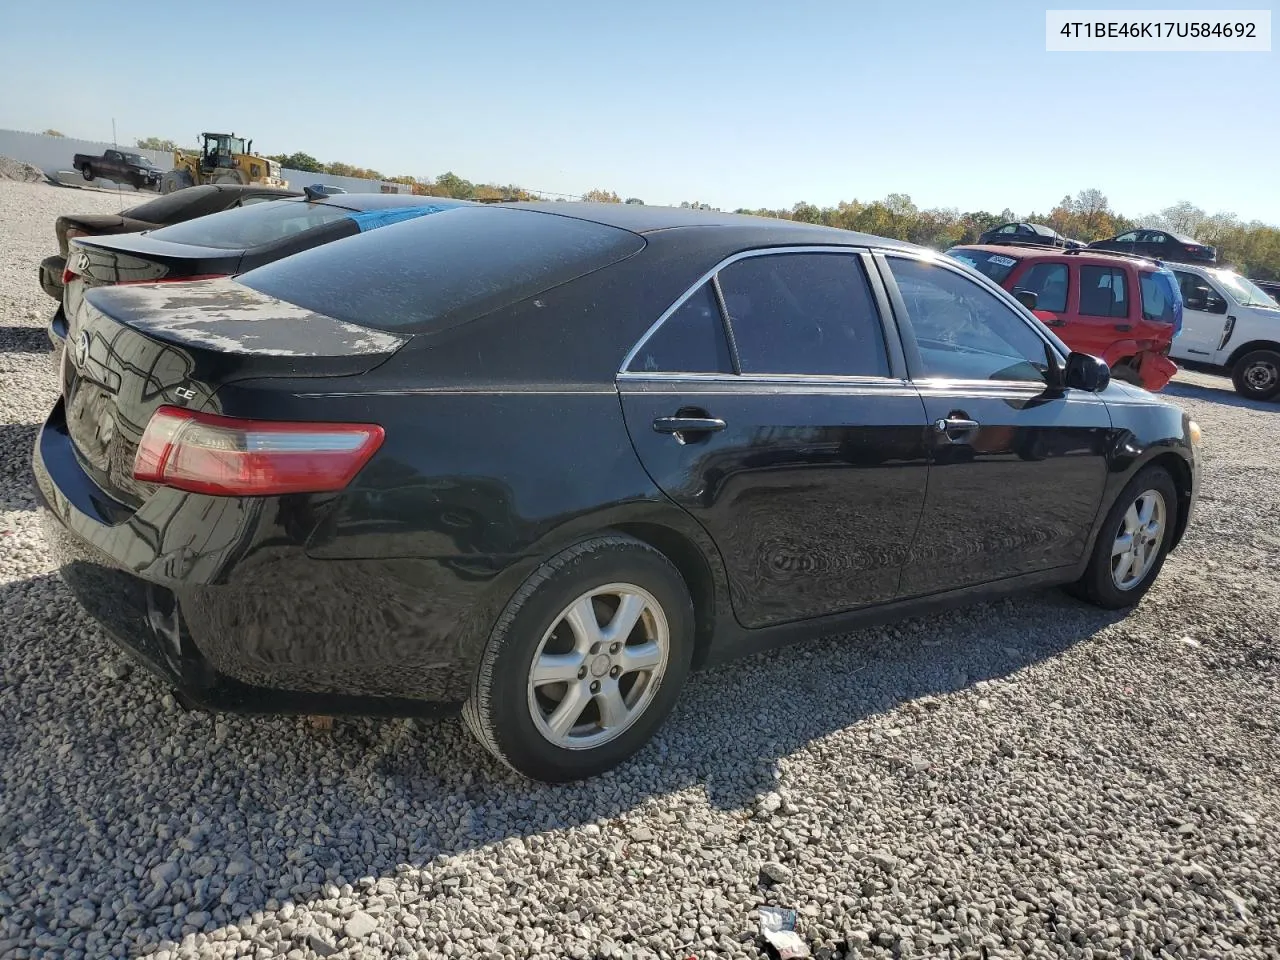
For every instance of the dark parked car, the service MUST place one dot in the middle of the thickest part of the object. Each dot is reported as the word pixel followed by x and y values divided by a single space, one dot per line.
pixel 1035 233
pixel 1161 244
pixel 1270 287
pixel 165 211
pixel 227 243
pixel 119 166
pixel 535 461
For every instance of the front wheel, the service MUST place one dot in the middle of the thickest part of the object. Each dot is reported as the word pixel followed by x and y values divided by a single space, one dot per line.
pixel 1256 375
pixel 585 662
pixel 1133 543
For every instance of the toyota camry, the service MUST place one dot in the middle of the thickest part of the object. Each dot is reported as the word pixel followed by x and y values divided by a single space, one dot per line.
pixel 536 461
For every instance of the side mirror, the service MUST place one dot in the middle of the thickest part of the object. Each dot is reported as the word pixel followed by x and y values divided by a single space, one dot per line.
pixel 1028 298
pixel 1215 305
pixel 1195 303
pixel 1084 372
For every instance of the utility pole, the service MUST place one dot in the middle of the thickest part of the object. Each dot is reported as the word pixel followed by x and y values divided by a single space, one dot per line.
pixel 113 134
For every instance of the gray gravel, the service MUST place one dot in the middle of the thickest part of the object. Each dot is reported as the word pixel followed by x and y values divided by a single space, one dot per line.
pixel 1029 778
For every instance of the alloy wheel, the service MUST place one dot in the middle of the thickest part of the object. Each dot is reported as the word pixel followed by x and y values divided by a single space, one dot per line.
pixel 1137 543
pixel 599 666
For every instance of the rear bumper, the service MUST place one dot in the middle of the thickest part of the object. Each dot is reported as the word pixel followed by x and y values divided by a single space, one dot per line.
pixel 51 275
pixel 291 636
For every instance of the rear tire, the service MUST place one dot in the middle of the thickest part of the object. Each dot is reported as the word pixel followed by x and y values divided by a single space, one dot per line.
pixel 1132 544
pixel 87 172
pixel 1256 375
pixel 618 683
pixel 1126 374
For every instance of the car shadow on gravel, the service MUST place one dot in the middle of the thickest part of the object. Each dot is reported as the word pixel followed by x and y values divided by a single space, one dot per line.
pixel 16 443
pixel 1224 395
pixel 20 339
pixel 230 815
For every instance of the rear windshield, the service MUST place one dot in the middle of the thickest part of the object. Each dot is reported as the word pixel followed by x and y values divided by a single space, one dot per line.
pixel 165 208
pixel 995 265
pixel 1161 298
pixel 246 227
pixel 435 271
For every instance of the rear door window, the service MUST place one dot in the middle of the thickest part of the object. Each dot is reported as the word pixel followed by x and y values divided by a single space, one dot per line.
pixel 1103 292
pixel 691 340
pixel 804 313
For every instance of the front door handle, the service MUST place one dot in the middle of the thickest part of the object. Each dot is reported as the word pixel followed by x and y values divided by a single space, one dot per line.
pixel 1055 323
pixel 1124 327
pixel 679 426
pixel 955 425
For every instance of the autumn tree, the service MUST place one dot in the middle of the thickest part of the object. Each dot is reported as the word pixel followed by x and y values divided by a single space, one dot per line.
pixel 155 143
pixel 53 133
pixel 601 196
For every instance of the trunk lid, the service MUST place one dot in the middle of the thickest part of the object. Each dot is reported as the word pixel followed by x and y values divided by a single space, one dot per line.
pixel 134 349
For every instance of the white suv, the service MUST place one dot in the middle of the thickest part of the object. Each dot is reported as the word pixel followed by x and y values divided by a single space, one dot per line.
pixel 1229 323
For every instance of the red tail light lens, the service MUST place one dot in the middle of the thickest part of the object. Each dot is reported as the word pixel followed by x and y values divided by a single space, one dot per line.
pixel 68 275
pixel 222 456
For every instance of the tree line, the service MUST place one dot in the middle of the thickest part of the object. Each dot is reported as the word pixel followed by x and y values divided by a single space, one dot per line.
pixel 1251 247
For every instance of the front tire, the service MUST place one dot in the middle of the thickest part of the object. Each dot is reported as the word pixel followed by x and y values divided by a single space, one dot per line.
pixel 1134 540
pixel 1256 375
pixel 175 180
pixel 585 662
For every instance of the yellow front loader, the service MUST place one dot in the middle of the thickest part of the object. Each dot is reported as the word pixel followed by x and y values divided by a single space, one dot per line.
pixel 223 158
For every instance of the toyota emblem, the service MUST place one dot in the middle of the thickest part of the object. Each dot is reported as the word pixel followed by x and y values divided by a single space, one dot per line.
pixel 82 349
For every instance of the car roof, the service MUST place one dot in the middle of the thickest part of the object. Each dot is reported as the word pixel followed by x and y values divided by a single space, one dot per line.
pixel 1032 252
pixel 644 219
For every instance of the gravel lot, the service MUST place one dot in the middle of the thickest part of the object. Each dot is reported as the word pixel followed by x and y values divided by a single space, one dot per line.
pixel 1029 778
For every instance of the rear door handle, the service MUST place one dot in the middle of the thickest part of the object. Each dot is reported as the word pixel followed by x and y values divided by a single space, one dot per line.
pixel 955 425
pixel 680 425
pixel 1123 327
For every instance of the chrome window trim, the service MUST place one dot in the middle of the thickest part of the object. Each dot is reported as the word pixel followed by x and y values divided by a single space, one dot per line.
pixel 850 251
pixel 796 378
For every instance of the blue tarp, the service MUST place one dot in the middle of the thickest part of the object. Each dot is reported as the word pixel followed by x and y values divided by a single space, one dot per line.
pixel 372 219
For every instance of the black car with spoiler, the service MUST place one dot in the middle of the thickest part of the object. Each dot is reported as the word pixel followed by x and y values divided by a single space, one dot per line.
pixel 227 243
pixel 165 211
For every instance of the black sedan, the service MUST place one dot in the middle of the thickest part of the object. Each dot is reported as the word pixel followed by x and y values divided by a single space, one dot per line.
pixel 1033 233
pixel 1160 244
pixel 175 208
pixel 227 243
pixel 536 461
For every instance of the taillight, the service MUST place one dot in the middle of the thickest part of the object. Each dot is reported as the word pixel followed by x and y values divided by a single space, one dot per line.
pixel 68 275
pixel 223 456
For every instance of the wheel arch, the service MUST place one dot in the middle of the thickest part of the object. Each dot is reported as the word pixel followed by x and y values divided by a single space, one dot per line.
pixel 694 567
pixel 1249 347
pixel 1180 471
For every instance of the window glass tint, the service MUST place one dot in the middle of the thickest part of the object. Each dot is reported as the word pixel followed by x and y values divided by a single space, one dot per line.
pixel 432 272
pixel 253 226
pixel 1049 282
pixel 193 201
pixel 963 331
pixel 1102 292
pixel 994 265
pixel 691 340
pixel 1159 296
pixel 809 313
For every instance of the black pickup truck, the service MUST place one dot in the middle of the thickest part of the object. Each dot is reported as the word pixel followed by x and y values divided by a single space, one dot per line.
pixel 121 167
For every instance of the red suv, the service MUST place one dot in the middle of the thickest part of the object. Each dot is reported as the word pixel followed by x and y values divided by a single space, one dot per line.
pixel 1122 308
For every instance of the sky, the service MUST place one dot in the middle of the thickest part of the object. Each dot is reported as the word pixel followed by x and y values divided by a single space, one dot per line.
pixel 734 104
